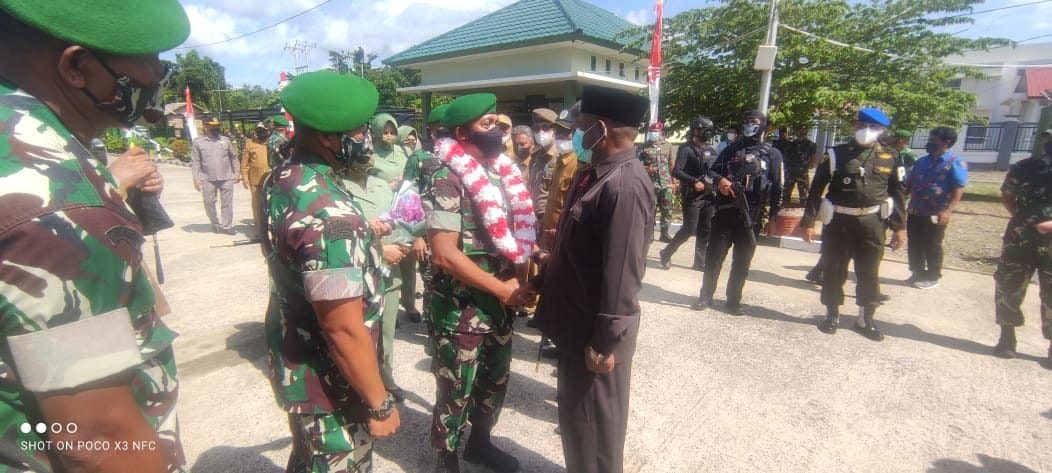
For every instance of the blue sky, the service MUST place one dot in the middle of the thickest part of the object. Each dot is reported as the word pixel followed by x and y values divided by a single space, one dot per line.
pixel 384 27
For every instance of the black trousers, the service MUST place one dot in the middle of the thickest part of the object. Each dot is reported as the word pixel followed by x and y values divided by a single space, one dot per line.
pixel 795 177
pixel 925 246
pixel 593 414
pixel 849 238
pixel 729 228
pixel 697 222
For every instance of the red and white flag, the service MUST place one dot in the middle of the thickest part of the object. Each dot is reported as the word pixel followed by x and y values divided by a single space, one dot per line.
pixel 654 70
pixel 190 126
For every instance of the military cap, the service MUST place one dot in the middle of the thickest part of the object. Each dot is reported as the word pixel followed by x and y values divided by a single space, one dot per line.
pixel 614 104
pixel 279 120
pixel 875 116
pixel 906 134
pixel 469 107
pixel 110 26
pixel 261 125
pixel 329 102
pixel 437 113
pixel 567 116
pixel 544 115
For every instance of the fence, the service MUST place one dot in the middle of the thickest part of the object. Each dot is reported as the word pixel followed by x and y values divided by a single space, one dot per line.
pixel 977 137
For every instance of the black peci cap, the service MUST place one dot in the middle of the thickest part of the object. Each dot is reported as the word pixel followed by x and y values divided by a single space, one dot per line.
pixel 614 104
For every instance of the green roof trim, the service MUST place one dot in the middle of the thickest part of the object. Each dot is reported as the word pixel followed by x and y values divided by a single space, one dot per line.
pixel 523 23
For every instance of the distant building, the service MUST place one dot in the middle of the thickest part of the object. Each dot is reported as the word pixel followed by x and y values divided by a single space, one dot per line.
pixel 532 53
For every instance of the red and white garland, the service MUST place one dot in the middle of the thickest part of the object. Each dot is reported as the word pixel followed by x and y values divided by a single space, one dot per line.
pixel 516 244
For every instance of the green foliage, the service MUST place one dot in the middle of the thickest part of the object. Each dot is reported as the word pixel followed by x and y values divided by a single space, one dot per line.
pixel 202 74
pixel 180 148
pixel 709 55
pixel 389 79
pixel 161 141
pixel 250 98
pixel 114 141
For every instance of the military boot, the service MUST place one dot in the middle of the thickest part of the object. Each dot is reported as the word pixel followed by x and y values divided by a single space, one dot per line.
pixel 1006 344
pixel 481 451
pixel 832 320
pixel 448 463
pixel 865 325
pixel 666 259
pixel 665 237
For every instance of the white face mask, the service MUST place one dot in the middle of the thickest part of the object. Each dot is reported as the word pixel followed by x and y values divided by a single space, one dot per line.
pixel 563 146
pixel 732 136
pixel 750 129
pixel 505 139
pixel 867 136
pixel 544 138
pixel 653 136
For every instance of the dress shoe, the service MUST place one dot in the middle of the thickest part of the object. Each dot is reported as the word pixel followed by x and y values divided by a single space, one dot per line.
pixel 831 322
pixel 865 325
pixel 734 308
pixel 666 260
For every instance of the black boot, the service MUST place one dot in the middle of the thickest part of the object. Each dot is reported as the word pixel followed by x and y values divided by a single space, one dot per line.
pixel 447 463
pixel 832 320
pixel 701 304
pixel 1006 344
pixel 814 276
pixel 865 325
pixel 666 259
pixel 481 451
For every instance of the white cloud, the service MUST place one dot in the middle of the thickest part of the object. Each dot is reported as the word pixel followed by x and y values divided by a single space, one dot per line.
pixel 641 16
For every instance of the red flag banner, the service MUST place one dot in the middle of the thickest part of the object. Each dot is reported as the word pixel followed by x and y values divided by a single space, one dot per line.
pixel 654 70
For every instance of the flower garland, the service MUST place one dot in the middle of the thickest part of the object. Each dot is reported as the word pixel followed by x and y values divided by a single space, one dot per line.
pixel 517 243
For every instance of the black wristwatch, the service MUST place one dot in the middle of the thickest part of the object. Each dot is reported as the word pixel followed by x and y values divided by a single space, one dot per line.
pixel 385 409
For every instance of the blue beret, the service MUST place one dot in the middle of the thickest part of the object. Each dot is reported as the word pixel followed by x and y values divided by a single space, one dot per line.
pixel 875 116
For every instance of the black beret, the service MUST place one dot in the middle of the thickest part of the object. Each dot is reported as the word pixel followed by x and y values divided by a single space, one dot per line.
pixel 614 104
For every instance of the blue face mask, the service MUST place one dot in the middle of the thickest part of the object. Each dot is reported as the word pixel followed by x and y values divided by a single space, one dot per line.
pixel 584 155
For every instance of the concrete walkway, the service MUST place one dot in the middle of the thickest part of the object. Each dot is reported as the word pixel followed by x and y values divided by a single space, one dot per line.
pixel 711 392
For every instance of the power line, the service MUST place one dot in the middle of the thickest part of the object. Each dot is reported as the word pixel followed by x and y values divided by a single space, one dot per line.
pixel 250 33
pixel 1035 37
pixel 1006 7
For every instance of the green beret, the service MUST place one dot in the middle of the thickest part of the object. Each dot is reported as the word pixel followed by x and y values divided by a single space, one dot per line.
pixel 330 102
pixel 907 134
pixel 437 114
pixel 279 120
pixel 469 107
pixel 119 27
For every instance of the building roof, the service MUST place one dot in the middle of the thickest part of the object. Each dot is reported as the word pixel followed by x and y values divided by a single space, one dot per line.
pixel 1038 81
pixel 522 23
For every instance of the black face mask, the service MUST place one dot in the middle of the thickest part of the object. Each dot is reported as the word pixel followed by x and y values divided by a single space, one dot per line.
pixel 931 147
pixel 490 143
pixel 354 151
pixel 261 134
pixel 131 102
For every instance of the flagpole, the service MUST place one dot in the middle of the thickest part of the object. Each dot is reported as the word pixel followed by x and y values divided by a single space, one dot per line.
pixel 654 70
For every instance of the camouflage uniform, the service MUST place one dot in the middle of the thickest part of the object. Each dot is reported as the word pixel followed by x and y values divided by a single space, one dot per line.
pixel 71 261
pixel 276 152
pixel 319 248
pixel 658 158
pixel 470 328
pixel 419 169
pixel 1024 250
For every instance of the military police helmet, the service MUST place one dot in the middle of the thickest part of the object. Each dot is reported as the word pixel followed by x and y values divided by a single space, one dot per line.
pixel 700 122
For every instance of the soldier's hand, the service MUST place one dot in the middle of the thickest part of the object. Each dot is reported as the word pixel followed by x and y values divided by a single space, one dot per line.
pixel 809 234
pixel 153 184
pixel 1044 228
pixel 420 249
pixel 244 182
pixel 699 186
pixel 385 428
pixel 132 169
pixel 726 187
pixel 393 254
pixel 597 363
pixel 380 228
pixel 509 294
pixel 944 217
pixel 898 238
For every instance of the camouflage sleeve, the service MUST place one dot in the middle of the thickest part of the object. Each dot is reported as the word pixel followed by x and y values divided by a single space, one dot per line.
pixel 327 239
pixel 70 301
pixel 442 203
pixel 1012 183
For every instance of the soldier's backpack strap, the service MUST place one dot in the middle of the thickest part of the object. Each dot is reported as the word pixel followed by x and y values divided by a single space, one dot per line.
pixel 831 151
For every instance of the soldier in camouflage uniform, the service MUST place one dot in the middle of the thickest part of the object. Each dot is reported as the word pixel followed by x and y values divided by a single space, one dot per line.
pixel 79 324
pixel 657 157
pixel 1027 194
pixel 322 324
pixel 474 283
pixel 277 143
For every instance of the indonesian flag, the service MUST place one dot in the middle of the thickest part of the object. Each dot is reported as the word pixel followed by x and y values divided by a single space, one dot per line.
pixel 654 71
pixel 190 126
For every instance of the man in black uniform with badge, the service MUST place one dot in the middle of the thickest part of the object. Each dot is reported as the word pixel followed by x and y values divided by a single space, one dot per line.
pixel 866 189
pixel 692 169
pixel 748 176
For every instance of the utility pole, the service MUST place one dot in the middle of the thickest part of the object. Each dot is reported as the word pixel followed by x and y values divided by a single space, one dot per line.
pixel 300 51
pixel 765 57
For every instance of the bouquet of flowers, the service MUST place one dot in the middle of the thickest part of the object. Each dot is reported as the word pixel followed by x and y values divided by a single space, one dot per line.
pixel 406 216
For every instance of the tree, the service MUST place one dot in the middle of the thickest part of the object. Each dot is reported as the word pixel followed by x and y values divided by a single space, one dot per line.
pixel 202 74
pixel 389 79
pixel 250 97
pixel 896 62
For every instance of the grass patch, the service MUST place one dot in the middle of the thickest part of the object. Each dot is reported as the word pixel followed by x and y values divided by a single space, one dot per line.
pixel 983 192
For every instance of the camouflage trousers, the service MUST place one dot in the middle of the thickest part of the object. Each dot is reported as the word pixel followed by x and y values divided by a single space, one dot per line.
pixel 327 443
pixel 471 372
pixel 664 208
pixel 1021 255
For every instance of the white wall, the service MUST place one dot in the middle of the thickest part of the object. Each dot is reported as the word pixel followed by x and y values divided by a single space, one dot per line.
pixel 999 87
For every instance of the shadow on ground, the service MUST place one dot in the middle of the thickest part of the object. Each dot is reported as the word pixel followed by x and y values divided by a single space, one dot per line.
pixel 240 459
pixel 987 464
pixel 250 344
pixel 239 229
pixel 411 450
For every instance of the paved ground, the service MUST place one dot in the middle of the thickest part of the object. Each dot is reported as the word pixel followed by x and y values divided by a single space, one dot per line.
pixel 711 392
